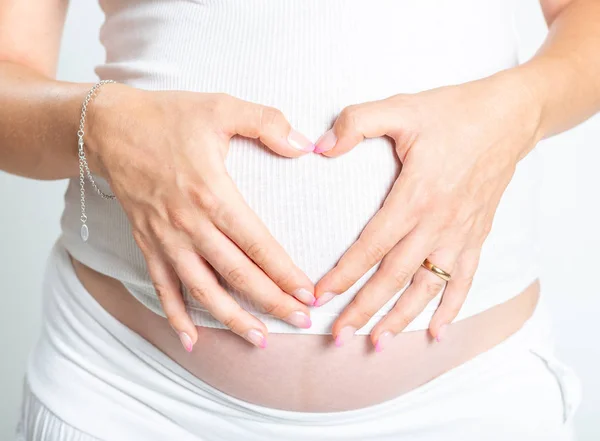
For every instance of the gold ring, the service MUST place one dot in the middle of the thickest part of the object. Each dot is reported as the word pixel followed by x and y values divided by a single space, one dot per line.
pixel 435 270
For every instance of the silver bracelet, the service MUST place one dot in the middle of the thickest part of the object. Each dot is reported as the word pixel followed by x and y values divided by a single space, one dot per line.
pixel 83 164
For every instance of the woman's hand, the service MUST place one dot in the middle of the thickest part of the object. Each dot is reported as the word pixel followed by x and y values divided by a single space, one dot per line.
pixel 459 147
pixel 163 154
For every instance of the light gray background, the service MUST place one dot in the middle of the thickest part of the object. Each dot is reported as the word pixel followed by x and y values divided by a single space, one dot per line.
pixel 29 214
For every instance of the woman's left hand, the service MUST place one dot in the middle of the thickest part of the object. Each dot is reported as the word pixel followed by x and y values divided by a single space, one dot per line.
pixel 459 147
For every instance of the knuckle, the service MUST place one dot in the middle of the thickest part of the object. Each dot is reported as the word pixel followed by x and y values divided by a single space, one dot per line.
pixel 161 292
pixel 349 118
pixel 421 205
pixel 400 275
pixel 284 278
pixel 222 97
pixel 466 220
pixel 432 289
pixel 201 294
pixel 213 209
pixel 156 226
pixel 270 116
pixel 455 214
pixel 257 252
pixel 204 199
pixel 224 216
pixel 349 113
pixel 373 251
pixel 142 242
pixel 237 277
pixel 274 308
pixel 180 219
pixel 233 322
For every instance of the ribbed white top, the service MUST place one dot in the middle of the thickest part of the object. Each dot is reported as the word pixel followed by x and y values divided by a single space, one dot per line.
pixel 310 59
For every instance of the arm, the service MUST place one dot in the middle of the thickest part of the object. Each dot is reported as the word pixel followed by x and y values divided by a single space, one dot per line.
pixel 163 154
pixel 38 115
pixel 457 163
pixel 564 76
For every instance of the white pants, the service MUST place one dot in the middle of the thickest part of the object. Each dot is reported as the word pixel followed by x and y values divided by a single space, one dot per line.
pixel 91 378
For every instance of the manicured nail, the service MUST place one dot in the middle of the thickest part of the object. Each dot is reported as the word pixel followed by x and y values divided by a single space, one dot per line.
pixel 326 142
pixel 383 340
pixel 441 333
pixel 305 296
pixel 186 341
pixel 299 319
pixel 326 297
pixel 344 335
pixel 300 142
pixel 257 338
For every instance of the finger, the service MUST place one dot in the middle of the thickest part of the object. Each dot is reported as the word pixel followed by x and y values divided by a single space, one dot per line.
pixel 357 122
pixel 393 221
pixel 395 273
pixel 424 288
pixel 244 276
pixel 168 290
pixel 241 224
pixel 456 292
pixel 270 126
pixel 203 286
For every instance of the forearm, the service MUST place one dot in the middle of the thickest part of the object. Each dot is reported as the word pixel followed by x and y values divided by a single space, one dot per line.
pixel 39 119
pixel 564 76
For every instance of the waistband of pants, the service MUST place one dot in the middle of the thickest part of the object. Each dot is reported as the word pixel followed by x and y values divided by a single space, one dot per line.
pixel 90 339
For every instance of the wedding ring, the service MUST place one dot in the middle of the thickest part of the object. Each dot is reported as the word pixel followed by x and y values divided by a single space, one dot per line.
pixel 435 270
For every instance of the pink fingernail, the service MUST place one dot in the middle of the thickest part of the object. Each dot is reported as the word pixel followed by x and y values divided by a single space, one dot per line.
pixel 299 319
pixel 186 341
pixel 441 333
pixel 257 338
pixel 300 142
pixel 344 335
pixel 383 341
pixel 305 296
pixel 326 297
pixel 326 142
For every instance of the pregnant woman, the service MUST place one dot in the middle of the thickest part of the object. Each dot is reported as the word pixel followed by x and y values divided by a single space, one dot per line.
pixel 222 276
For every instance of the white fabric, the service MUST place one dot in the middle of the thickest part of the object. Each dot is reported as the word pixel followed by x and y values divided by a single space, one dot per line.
pixel 311 58
pixel 90 377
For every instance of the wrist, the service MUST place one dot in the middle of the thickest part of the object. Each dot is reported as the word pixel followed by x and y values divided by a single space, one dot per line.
pixel 517 87
pixel 103 121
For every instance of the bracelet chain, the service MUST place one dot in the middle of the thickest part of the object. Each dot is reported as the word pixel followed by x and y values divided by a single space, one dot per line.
pixel 84 168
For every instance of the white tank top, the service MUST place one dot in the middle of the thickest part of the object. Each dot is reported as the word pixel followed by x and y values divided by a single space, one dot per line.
pixel 310 59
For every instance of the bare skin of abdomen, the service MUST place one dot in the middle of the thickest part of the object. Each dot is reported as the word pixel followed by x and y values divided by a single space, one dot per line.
pixel 307 372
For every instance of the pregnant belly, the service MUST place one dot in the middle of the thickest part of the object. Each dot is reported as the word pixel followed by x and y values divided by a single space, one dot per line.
pixel 319 58
pixel 307 372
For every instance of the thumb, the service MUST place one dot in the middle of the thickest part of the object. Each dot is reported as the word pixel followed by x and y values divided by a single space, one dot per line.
pixel 268 124
pixel 357 122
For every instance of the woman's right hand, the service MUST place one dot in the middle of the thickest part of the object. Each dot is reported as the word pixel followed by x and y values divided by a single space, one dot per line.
pixel 163 155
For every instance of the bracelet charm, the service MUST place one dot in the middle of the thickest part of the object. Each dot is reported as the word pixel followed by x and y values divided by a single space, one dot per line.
pixel 84 169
